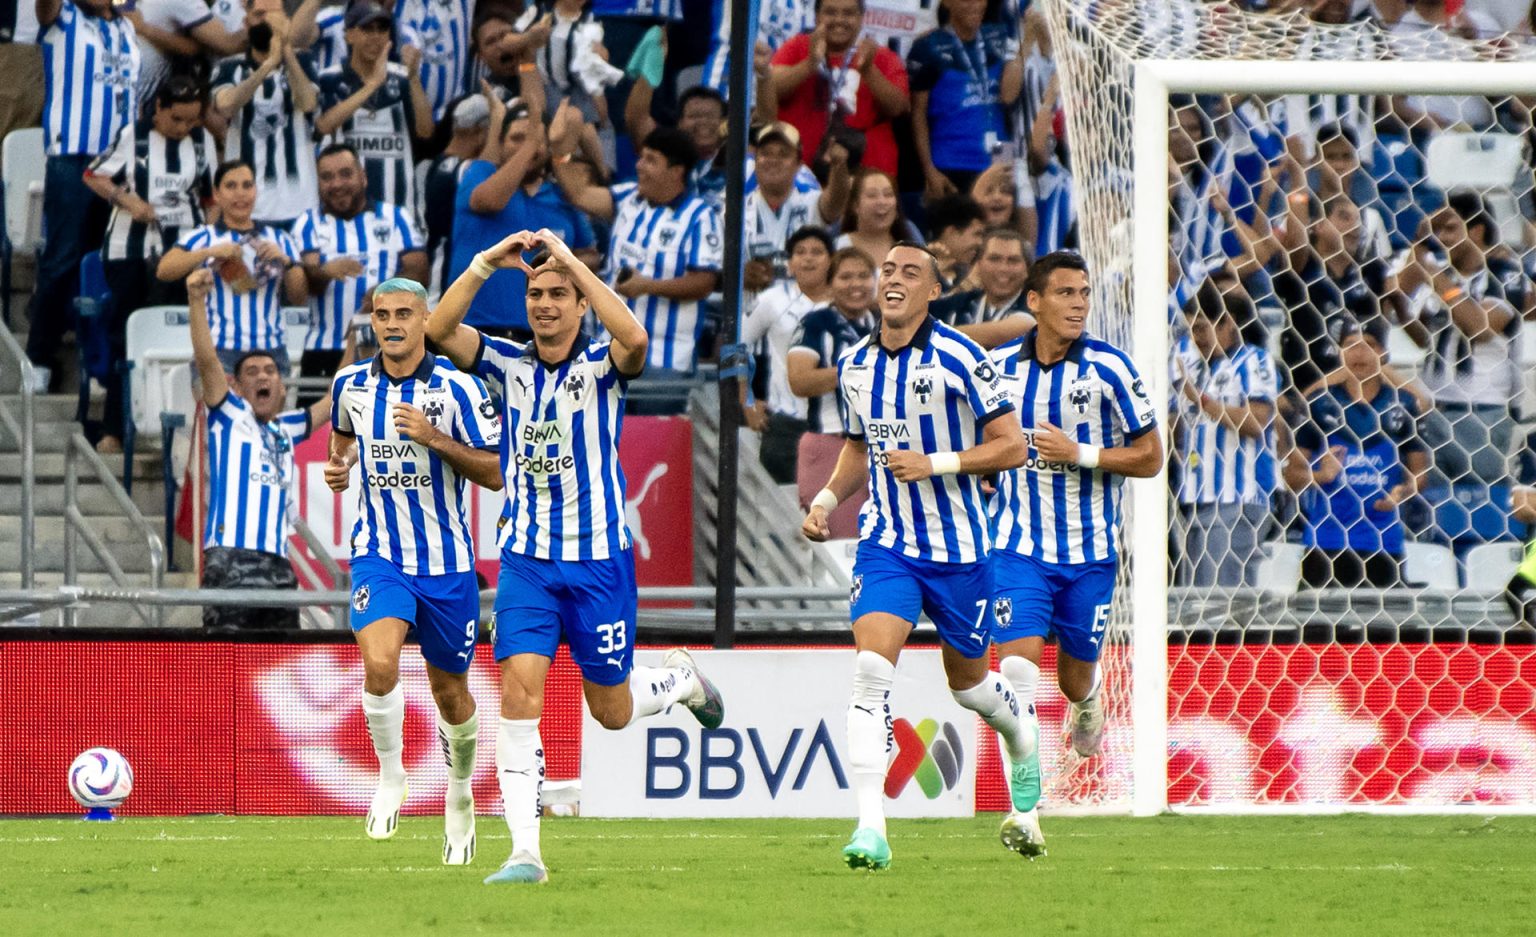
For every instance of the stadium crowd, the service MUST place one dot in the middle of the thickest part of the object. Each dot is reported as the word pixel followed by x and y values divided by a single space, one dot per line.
pixel 308 152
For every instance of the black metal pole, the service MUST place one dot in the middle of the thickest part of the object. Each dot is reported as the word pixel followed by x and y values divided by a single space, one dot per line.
pixel 733 358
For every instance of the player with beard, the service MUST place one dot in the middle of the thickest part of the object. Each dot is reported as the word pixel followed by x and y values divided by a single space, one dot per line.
pixel 567 562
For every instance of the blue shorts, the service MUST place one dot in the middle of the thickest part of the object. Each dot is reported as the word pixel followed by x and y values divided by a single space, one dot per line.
pixel 1036 598
pixel 956 596
pixel 592 603
pixel 443 611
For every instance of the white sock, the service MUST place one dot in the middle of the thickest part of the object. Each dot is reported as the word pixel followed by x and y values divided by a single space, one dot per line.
pixel 458 743
pixel 520 771
pixel 1024 675
pixel 655 689
pixel 1093 689
pixel 992 699
pixel 386 726
pixel 869 735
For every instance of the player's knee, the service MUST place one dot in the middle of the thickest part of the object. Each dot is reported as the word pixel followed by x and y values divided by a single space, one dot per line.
pixel 520 702
pixel 381 673
pixel 611 712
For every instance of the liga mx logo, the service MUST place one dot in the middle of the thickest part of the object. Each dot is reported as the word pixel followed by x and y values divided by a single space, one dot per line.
pixel 928 753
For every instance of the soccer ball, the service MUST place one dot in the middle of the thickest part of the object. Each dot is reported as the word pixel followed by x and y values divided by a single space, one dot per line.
pixel 100 778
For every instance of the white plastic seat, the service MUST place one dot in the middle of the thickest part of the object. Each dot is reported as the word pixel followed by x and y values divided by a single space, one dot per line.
pixel 1432 565
pixel 160 347
pixel 1489 566
pixel 25 163
pixel 1401 350
pixel 296 329
pixel 1489 163
pixel 1280 571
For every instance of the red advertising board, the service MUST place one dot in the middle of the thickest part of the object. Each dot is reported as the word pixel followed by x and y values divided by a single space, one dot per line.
pixel 278 729
pixel 655 451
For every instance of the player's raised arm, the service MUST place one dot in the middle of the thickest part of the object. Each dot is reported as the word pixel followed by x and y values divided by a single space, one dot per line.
pixel 209 368
pixel 445 324
pixel 628 335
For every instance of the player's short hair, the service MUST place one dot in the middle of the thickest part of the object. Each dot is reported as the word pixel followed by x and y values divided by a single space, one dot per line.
pixel 229 166
pixel 401 285
pixel 544 262
pixel 933 262
pixel 1040 271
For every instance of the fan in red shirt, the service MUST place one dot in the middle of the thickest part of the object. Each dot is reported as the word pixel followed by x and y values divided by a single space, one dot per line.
pixel 834 66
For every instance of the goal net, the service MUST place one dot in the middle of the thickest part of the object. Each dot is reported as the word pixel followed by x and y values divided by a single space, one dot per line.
pixel 1316 237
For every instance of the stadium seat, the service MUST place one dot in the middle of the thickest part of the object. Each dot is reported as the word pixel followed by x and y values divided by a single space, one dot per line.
pixel 156 343
pixel 1489 163
pixel 22 154
pixel 296 329
pixel 1280 570
pixel 1489 566
pixel 1432 565
pixel 1401 350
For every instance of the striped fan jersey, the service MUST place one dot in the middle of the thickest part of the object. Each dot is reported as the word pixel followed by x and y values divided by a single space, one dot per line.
pixel 274 137
pixel 768 231
pixel 413 509
pixel 248 312
pixel 252 476
pixel 825 334
pixel 380 131
pixel 664 242
pixel 773 322
pixel 375 238
pixel 90 76
pixel 560 450
pixel 440 29
pixel 1058 512
pixel 1218 465
pixel 330 48
pixel 777 22
pixel 934 395
pixel 174 176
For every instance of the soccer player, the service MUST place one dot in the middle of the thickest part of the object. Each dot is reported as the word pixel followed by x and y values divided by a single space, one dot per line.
pixel 566 561
pixel 1055 518
pixel 419 428
pixel 924 415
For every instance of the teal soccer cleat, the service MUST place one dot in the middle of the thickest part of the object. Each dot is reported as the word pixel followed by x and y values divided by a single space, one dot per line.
pixel 867 850
pixel 519 871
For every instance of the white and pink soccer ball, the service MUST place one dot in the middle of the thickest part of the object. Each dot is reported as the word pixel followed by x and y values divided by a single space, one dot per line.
pixel 100 779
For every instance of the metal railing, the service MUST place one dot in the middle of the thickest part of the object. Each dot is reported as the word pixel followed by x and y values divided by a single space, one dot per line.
pixel 305 568
pixel 77 528
pixel 23 430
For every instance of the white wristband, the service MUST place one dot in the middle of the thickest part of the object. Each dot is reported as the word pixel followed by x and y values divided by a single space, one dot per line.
pixel 481 267
pixel 945 463
pixel 825 500
pixel 1088 455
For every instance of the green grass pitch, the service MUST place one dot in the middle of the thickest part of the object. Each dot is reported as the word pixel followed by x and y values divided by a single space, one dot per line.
pixel 1210 876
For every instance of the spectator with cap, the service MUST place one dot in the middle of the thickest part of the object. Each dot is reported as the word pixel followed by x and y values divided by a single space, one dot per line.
pixel 513 193
pixel 439 29
pixel 1225 432
pixel 437 187
pixel 1462 315
pixel 995 311
pixel 350 244
pixel 267 95
pixel 256 267
pixel 775 319
pixel 965 77
pixel 157 176
pixel 376 107
pixel 252 474
pixel 83 111
pixel 664 255
pixel 1357 457
pixel 777 207
pixel 836 78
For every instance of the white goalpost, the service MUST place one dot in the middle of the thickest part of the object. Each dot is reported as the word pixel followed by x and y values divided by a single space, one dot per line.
pixel 1264 726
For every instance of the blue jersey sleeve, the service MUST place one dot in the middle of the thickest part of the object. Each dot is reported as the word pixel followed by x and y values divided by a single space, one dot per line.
pixel 476 422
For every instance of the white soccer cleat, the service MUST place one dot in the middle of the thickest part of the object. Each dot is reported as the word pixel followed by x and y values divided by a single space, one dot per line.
pixel 519 869
pixel 1021 833
pixel 384 812
pixel 1087 720
pixel 459 832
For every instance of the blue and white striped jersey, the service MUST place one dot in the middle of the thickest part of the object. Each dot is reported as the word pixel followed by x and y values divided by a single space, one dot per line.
pixel 413 509
pixel 1219 466
pixel 440 29
pixel 934 395
pixel 247 311
pixel 560 450
pixel 330 48
pixel 1059 512
pixel 90 76
pixel 251 474
pixel 375 238
pixel 664 242
pixel 777 22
